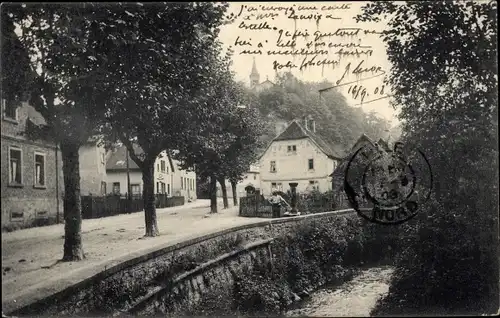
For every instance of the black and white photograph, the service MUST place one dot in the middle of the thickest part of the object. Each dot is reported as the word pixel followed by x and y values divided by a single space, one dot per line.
pixel 265 159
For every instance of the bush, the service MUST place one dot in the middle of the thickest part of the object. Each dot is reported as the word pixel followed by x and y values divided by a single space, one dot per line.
pixel 445 268
pixel 329 251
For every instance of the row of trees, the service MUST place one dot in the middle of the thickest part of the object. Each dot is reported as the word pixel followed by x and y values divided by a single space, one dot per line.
pixel 445 82
pixel 152 76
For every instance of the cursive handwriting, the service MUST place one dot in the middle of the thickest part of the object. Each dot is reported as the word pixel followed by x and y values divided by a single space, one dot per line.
pixel 361 92
pixel 342 46
pixel 359 71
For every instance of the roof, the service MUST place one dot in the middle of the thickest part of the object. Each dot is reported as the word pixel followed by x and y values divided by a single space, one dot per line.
pixel 339 172
pixel 118 159
pixel 267 81
pixel 362 138
pixel 384 144
pixel 295 131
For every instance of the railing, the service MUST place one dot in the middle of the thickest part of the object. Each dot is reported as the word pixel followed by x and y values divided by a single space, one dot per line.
pixel 98 207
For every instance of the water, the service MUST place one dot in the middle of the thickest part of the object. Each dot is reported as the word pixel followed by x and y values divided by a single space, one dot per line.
pixel 354 298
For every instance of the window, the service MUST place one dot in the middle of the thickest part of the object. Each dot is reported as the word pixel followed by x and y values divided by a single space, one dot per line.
pixel 162 187
pixel 182 183
pixel 314 184
pixel 255 177
pixel 157 167
pixel 15 165
pixel 292 148
pixel 273 186
pixel 162 166
pixel 9 109
pixel 168 188
pixel 135 188
pixel 311 164
pixel 157 187
pixel 279 186
pixel 167 169
pixel 116 187
pixel 103 187
pixel 273 166
pixel 39 169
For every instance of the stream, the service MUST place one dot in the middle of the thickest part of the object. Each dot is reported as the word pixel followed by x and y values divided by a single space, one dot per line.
pixel 354 298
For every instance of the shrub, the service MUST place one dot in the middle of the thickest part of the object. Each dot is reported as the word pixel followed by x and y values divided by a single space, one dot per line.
pixel 443 267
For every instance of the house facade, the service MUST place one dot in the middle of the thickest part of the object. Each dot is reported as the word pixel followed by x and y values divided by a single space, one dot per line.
pixel 111 178
pixel 251 177
pixel 31 170
pixel 93 176
pixel 298 155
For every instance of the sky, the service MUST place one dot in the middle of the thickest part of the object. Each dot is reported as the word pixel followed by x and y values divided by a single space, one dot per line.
pixel 315 18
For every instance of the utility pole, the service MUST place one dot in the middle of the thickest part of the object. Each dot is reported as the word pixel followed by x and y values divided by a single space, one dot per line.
pixel 129 195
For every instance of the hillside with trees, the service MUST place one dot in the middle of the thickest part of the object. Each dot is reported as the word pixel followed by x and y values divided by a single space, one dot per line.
pixel 336 121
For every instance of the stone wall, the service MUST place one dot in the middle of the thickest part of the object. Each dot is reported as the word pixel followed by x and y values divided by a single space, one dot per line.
pixel 177 275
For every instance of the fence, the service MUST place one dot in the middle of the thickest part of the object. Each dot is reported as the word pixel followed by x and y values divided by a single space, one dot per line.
pixel 97 207
pixel 256 206
pixel 315 202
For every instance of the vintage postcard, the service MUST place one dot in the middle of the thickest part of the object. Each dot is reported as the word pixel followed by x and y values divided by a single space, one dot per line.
pixel 312 159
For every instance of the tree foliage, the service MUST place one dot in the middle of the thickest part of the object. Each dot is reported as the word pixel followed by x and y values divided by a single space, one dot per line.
pixel 62 83
pixel 444 78
pixel 336 121
pixel 227 139
pixel 155 102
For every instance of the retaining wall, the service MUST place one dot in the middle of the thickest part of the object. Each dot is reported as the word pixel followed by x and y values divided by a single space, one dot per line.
pixel 182 272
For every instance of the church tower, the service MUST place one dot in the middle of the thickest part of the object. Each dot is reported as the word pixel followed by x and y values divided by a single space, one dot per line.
pixel 254 75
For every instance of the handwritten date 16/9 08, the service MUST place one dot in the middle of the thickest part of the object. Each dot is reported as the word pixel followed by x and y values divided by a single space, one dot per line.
pixel 359 92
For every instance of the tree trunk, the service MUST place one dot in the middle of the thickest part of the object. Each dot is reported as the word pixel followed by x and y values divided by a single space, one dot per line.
pixel 213 194
pixel 73 248
pixel 225 201
pixel 235 195
pixel 148 196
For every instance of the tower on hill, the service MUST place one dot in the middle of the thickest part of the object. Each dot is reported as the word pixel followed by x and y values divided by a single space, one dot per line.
pixel 254 75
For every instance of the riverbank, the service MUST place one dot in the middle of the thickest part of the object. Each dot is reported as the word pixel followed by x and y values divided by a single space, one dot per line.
pixel 355 298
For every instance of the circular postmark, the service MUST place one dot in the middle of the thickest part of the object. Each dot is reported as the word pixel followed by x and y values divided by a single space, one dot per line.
pixel 387 186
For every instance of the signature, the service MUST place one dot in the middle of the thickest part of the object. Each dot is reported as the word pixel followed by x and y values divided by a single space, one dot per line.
pixel 359 71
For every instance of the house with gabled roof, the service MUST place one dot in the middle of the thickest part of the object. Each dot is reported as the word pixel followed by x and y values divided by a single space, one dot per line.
pixel 298 154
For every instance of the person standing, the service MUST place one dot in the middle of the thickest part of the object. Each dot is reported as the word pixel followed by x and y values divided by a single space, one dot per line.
pixel 277 202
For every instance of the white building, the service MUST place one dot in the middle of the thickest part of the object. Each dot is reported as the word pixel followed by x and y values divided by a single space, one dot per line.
pixel 299 155
pixel 107 172
pixel 251 177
